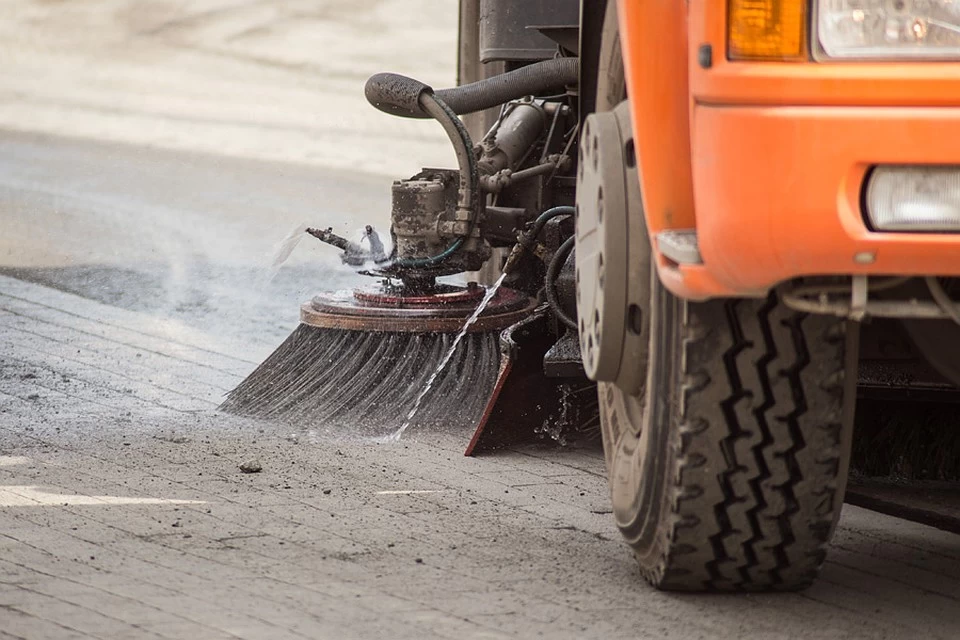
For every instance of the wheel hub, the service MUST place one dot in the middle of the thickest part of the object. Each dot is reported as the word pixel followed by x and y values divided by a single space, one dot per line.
pixel 613 254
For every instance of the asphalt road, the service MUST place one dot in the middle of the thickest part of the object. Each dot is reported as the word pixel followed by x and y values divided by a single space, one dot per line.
pixel 276 80
pixel 187 237
pixel 164 148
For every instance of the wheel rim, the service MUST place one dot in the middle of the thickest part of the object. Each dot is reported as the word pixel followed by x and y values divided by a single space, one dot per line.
pixel 637 474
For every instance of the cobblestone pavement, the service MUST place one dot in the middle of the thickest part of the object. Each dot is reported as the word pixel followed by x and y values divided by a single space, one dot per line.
pixel 123 514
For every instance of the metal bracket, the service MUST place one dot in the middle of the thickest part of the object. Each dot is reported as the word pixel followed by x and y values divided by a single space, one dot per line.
pixel 852 301
pixel 858 298
pixel 680 246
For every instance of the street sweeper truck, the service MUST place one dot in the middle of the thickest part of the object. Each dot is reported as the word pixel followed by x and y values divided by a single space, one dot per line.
pixel 674 217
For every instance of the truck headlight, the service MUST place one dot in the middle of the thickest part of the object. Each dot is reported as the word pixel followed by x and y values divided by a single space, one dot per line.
pixel 903 198
pixel 888 29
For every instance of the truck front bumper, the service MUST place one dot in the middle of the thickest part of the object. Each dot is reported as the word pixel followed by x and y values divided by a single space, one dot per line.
pixel 778 193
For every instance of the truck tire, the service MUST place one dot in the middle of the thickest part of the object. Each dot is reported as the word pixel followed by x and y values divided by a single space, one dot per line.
pixel 729 472
pixel 728 468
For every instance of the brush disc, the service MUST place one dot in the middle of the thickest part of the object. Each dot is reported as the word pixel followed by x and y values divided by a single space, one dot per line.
pixel 360 361
pixel 444 309
pixel 365 383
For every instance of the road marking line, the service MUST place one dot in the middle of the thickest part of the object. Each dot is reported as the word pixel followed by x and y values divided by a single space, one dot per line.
pixel 25 496
pixel 409 492
pixel 9 461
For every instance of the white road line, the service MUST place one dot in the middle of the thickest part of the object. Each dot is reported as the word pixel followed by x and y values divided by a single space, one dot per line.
pixel 9 461
pixel 25 496
pixel 407 493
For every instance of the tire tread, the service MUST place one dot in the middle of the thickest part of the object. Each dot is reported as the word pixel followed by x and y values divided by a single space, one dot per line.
pixel 758 449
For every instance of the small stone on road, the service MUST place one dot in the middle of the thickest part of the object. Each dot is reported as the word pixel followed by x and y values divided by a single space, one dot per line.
pixel 251 466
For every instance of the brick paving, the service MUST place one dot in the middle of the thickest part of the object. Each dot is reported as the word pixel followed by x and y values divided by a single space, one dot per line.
pixel 123 514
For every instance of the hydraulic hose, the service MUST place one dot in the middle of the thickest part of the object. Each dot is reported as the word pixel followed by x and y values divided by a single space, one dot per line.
pixel 432 261
pixel 529 238
pixel 553 270
pixel 549 214
pixel 391 93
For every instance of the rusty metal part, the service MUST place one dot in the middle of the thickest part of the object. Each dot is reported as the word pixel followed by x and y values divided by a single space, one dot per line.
pixel 439 296
pixel 443 312
pixel 431 235
pixel 327 235
pixel 499 181
pixel 509 141
pixel 510 416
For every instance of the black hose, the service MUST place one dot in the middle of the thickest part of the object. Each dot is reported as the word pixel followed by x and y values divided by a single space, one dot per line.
pixel 553 270
pixel 546 216
pixel 399 95
pixel 528 239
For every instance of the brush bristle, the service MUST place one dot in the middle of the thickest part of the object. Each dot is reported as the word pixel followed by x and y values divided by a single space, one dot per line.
pixel 906 441
pixel 365 383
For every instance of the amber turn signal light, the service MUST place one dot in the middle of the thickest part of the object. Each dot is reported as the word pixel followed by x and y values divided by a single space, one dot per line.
pixel 767 29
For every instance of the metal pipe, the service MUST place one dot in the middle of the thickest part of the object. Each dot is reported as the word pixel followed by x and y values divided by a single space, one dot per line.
pixel 941 298
pixel 914 309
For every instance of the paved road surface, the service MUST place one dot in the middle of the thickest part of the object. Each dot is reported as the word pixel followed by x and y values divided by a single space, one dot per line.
pixel 134 297
pixel 183 236
pixel 123 514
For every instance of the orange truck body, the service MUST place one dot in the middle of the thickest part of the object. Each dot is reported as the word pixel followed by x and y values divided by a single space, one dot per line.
pixel 767 160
